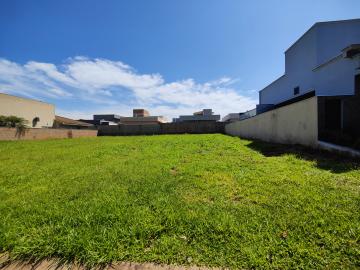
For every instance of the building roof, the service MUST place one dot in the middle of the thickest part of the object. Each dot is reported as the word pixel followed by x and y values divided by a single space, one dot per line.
pixel 71 122
pixel 319 23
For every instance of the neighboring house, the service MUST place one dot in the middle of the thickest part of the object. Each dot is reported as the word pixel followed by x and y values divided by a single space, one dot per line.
pixel 141 117
pixel 322 65
pixel 103 120
pixel 110 118
pixel 63 122
pixel 324 62
pixel 204 115
pixel 231 117
pixel 38 114
pixel 140 113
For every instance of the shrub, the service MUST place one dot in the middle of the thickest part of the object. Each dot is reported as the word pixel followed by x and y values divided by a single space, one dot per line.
pixel 13 121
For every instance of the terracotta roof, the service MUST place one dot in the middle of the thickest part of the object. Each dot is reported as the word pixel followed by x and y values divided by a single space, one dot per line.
pixel 71 122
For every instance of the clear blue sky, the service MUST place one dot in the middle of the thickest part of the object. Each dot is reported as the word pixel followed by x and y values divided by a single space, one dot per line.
pixel 225 49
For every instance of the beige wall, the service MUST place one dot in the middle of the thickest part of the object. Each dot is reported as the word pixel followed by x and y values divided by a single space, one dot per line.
pixel 28 109
pixel 292 124
pixel 12 134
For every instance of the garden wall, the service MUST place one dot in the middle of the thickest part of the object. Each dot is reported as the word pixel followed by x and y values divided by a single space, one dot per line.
pixel 195 127
pixel 123 130
pixel 12 134
pixel 296 123
pixel 163 128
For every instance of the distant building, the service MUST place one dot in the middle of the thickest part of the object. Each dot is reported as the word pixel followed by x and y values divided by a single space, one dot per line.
pixel 231 117
pixel 38 114
pixel 204 115
pixel 103 119
pixel 140 113
pixel 107 117
pixel 63 122
pixel 141 117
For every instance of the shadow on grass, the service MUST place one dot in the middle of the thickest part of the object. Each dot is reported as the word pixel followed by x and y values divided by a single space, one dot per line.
pixel 324 160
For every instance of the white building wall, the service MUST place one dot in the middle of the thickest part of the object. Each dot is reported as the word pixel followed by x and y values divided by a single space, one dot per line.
pixel 300 59
pixel 320 44
pixel 336 78
pixel 332 37
pixel 28 109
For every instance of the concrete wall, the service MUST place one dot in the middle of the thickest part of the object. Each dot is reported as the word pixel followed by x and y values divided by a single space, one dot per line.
pixel 12 134
pixel 124 130
pixel 28 109
pixel 296 123
pixel 201 127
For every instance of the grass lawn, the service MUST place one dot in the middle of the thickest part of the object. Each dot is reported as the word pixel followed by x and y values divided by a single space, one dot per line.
pixel 209 200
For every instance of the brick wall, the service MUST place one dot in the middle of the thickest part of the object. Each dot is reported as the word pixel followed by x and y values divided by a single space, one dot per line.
pixel 44 133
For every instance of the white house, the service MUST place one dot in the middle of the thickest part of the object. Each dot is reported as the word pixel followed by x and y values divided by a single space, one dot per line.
pixel 322 60
pixel 318 97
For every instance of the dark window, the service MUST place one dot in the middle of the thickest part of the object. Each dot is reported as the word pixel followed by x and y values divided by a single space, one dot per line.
pixel 35 121
pixel 333 114
pixel 296 90
pixel 357 84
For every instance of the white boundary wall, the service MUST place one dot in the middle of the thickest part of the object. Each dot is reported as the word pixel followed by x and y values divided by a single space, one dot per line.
pixel 296 123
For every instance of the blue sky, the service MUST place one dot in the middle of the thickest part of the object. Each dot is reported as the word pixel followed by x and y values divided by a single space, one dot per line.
pixel 171 57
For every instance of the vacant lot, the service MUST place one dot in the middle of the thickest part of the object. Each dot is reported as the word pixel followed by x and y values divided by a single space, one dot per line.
pixel 185 199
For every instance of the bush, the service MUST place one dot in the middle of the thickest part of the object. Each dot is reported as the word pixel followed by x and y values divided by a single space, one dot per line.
pixel 13 121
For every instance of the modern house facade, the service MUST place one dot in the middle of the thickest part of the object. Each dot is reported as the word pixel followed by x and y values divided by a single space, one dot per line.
pixel 140 117
pixel 322 65
pixel 37 113
pixel 322 60
pixel 204 115
pixel 103 120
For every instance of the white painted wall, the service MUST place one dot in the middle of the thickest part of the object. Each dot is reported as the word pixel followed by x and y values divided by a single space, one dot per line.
pixel 296 123
pixel 336 78
pixel 27 109
pixel 320 44
pixel 332 37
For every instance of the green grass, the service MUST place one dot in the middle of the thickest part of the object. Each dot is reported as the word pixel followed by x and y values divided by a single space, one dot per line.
pixel 209 200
